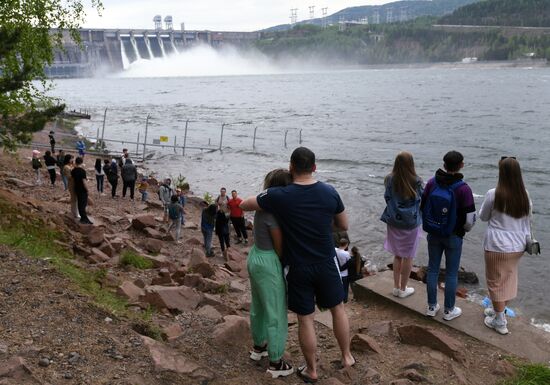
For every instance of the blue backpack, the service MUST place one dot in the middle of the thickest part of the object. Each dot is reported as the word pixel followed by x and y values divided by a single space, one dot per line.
pixel 439 213
pixel 402 213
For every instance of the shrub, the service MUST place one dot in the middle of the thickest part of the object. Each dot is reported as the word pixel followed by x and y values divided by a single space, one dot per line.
pixel 129 258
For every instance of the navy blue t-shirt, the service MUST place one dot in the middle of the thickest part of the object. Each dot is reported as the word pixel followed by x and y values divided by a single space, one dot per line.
pixel 305 214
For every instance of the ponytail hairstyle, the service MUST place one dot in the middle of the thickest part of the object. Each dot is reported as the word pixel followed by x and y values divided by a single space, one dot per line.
pixel 404 178
pixel 510 196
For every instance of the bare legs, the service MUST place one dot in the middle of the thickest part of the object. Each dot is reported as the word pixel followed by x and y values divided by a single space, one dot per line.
pixel 308 340
pixel 401 271
pixel 499 306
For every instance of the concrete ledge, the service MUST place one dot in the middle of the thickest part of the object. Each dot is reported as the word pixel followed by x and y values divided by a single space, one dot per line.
pixel 524 340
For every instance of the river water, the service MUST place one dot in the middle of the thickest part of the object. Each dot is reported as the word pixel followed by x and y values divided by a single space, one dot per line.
pixel 355 121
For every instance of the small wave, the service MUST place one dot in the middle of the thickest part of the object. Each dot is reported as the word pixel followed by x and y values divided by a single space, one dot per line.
pixel 478 196
pixel 540 325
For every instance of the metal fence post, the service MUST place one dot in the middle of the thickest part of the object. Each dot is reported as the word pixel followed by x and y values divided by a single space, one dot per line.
pixel 103 129
pixel 221 136
pixel 300 136
pixel 254 140
pixel 137 146
pixel 286 133
pixel 145 140
pixel 175 139
pixel 185 137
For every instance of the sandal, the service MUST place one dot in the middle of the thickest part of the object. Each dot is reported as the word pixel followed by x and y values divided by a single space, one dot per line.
pixel 307 379
pixel 258 352
pixel 280 369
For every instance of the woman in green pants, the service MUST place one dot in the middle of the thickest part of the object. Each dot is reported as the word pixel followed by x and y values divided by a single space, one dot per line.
pixel 268 309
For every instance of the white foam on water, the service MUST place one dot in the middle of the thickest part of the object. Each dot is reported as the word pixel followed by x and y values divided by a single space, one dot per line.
pixel 540 325
pixel 203 61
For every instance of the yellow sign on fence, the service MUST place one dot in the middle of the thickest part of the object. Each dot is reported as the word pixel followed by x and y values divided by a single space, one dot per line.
pixel 164 139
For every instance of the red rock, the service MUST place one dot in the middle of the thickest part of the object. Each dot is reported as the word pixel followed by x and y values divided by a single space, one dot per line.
pixel 106 248
pixel 153 245
pixel 209 312
pixel 462 292
pixel 192 280
pixel 170 360
pixel 16 371
pixel 179 276
pixel 172 331
pixel 205 269
pixel 96 236
pixel 234 255
pixel 180 298
pixel 81 250
pixel 211 286
pixel 504 369
pixel 380 329
pixel 161 261
pixel 140 222
pixel 215 301
pixel 234 331
pixel 197 257
pixel 169 237
pixel 330 381
pixel 153 233
pixel 402 381
pixel 140 283
pixel 194 242
pixel 364 343
pixel 371 376
pixel 237 287
pixel 413 375
pixel 420 336
pixel 162 281
pixel 130 291
pixel 100 255
pixel 234 266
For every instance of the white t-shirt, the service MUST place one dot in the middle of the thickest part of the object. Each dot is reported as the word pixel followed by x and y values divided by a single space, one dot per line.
pixel 343 256
pixel 504 234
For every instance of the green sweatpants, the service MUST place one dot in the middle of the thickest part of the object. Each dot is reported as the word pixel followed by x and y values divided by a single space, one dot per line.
pixel 268 311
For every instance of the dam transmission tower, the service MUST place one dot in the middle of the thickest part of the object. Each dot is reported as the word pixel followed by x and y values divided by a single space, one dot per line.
pixel 325 13
pixel 158 22
pixel 311 12
pixel 293 15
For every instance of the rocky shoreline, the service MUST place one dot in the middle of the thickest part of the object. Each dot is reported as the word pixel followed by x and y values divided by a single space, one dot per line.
pixel 159 312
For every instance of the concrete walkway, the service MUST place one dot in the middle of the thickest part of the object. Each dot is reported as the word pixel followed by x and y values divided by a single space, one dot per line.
pixel 524 340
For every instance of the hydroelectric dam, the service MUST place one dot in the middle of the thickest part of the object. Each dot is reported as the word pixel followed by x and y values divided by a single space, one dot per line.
pixel 113 50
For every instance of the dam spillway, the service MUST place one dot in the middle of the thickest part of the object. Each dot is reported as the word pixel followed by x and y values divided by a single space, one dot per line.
pixel 112 50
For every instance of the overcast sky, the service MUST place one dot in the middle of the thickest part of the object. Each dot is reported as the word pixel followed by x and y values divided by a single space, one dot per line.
pixel 229 15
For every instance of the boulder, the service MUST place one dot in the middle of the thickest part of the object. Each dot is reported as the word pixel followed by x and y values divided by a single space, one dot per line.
pixel 210 312
pixel 140 222
pixel 364 343
pixel 18 183
pixel 192 280
pixel 234 266
pixel 162 281
pixel 153 233
pixel 107 249
pixel 197 257
pixel 169 237
pixel 381 329
pixel 16 371
pixel 234 255
pixel 413 375
pixel 81 250
pixel 194 242
pixel 172 331
pixel 371 376
pixel 421 336
pixel 167 359
pixel 130 291
pixel 96 236
pixel 97 254
pixel 220 305
pixel 153 245
pixel 179 276
pixel 117 244
pixel 205 269
pixel 234 331
pixel 154 204
pixel 402 381
pixel 161 261
pixel 237 287
pixel 178 298
pixel 211 286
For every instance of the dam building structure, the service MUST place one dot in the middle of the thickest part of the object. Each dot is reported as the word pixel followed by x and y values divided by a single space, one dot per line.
pixel 112 50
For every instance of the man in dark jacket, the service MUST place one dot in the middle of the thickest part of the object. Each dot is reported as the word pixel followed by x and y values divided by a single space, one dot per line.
pixel 129 177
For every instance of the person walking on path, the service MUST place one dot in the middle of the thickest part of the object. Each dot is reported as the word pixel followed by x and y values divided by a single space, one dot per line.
pixel 111 170
pixel 222 231
pixel 81 147
pixel 507 210
pixel 36 166
pixel 181 199
pixel 237 217
pixel 81 190
pixel 99 176
pixel 307 210
pixel 51 165
pixel 60 159
pixel 165 195
pixel 67 168
pixel 175 211
pixel 143 186
pixel 268 310
pixel 402 216
pixel 343 259
pixel 222 200
pixel 208 220
pixel 448 212
pixel 52 141
pixel 129 177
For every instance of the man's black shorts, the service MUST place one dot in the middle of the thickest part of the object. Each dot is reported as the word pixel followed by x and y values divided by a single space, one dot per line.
pixel 319 283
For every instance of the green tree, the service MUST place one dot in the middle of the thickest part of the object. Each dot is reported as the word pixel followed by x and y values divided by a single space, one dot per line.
pixel 29 32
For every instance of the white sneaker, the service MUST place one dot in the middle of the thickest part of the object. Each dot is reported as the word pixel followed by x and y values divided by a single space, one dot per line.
pixel 491 322
pixel 395 292
pixel 282 369
pixel 257 356
pixel 407 292
pixel 431 311
pixel 450 315
pixel 489 312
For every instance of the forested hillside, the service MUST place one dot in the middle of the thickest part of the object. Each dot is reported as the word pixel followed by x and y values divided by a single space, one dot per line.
pixel 525 13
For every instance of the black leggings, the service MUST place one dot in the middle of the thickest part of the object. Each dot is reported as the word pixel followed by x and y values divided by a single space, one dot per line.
pixel 99 180
pixel 224 240
pixel 240 227
pixel 131 185
pixel 52 175
pixel 82 200
pixel 113 184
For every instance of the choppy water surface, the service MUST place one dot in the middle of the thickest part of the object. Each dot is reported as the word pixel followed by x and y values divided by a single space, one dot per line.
pixel 356 122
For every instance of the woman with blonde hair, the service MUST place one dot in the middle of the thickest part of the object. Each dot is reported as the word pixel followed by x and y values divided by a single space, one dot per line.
pixel 403 219
pixel 507 209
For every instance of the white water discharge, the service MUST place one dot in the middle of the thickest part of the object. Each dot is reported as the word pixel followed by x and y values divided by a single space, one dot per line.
pixel 203 61
pixel 125 61
pixel 174 47
pixel 136 50
pixel 148 44
pixel 162 47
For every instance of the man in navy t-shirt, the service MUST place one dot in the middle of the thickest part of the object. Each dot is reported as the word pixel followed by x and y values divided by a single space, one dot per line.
pixel 307 212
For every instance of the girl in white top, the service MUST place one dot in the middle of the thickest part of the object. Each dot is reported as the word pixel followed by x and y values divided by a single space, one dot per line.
pixel 506 208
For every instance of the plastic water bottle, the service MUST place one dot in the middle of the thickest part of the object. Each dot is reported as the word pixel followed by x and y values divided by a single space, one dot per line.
pixel 509 312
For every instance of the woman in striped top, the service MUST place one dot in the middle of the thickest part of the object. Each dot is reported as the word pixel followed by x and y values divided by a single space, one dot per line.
pixel 506 208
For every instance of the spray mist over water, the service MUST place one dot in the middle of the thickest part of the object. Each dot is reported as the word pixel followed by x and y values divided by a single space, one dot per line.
pixel 205 61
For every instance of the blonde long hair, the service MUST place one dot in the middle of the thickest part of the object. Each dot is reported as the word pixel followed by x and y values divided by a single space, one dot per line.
pixel 510 196
pixel 404 178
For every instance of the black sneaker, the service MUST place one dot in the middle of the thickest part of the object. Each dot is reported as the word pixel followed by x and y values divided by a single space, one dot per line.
pixel 280 369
